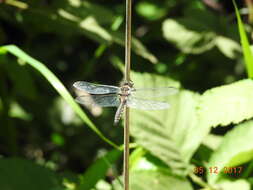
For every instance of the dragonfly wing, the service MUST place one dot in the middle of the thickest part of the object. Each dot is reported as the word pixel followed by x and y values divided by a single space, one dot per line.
pixel 143 104
pixel 153 92
pixel 92 88
pixel 99 100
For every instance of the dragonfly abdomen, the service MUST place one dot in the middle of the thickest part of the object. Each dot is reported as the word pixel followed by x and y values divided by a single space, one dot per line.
pixel 119 112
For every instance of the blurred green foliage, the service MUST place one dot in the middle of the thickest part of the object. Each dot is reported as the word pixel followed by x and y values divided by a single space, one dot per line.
pixel 45 141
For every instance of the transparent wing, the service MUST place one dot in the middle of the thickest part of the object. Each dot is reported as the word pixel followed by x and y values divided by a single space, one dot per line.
pixel 153 92
pixel 143 104
pixel 99 100
pixel 95 88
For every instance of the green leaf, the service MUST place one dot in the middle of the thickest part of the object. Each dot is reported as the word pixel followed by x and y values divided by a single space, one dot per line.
pixel 16 111
pixel 59 87
pixel 167 134
pixel 102 185
pixel 235 149
pixel 19 174
pixel 173 135
pixel 2 51
pixel 227 46
pixel 248 56
pixel 188 41
pixel 198 32
pixel 97 171
pixel 227 104
pixel 140 159
pixel 234 185
pixel 150 10
pixel 212 141
pixel 144 180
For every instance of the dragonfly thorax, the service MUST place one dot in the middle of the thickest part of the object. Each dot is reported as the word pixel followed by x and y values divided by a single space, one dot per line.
pixel 125 90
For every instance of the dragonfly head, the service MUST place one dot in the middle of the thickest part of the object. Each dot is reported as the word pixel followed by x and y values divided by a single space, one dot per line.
pixel 128 83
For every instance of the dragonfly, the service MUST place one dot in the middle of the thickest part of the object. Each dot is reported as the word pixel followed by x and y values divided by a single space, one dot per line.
pixel 120 97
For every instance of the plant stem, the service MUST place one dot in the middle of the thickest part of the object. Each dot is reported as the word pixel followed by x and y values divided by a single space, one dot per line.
pixel 200 182
pixel 126 150
pixel 249 4
pixel 127 80
pixel 128 40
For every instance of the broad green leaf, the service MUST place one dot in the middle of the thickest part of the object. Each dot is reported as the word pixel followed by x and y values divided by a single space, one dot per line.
pixel 151 180
pixel 59 87
pixel 173 135
pixel 167 134
pixel 145 164
pixel 140 159
pixel 198 31
pixel 97 171
pixel 227 104
pixel 19 174
pixel 135 156
pixel 234 185
pixel 248 56
pixel 189 41
pixel 213 141
pixel 235 149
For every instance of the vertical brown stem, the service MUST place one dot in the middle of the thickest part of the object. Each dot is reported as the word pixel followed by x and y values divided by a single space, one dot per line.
pixel 126 150
pixel 128 41
pixel 250 8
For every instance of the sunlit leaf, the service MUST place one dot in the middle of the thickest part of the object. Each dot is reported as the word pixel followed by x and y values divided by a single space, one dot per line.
pixel 234 185
pixel 235 149
pixel 143 163
pixel 187 40
pixel 140 159
pixel 173 135
pixel 16 111
pixel 227 46
pixel 227 104
pixel 198 32
pixel 149 10
pixel 102 185
pixel 213 141
pixel 167 133
pixel 147 180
